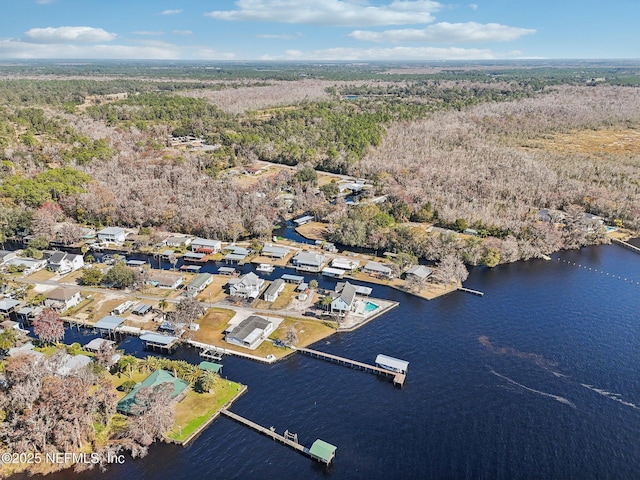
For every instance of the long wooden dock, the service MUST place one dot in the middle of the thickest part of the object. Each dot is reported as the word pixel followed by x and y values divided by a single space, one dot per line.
pixel 288 439
pixel 398 378
pixel 468 290
pixel 627 245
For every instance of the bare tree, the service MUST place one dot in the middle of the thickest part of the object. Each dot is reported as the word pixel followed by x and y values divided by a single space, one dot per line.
pixel 48 326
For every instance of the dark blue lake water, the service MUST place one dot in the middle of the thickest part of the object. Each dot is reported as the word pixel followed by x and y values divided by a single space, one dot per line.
pixel 537 379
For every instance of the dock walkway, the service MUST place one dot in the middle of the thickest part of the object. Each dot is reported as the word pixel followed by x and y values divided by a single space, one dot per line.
pixel 468 290
pixel 627 245
pixel 398 378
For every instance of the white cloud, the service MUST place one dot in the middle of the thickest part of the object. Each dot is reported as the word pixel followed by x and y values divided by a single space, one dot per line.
pixel 446 33
pixel 69 34
pixel 473 6
pixel 149 33
pixel 44 2
pixel 171 12
pixel 279 36
pixel 331 12
pixel 11 48
pixel 182 32
pixel 395 53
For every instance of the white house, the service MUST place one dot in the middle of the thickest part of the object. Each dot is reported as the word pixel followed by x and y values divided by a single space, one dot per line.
pixel 6 255
pixel 274 290
pixel 346 264
pixel 61 262
pixel 309 261
pixel 204 245
pixel 247 286
pixel 199 283
pixel 345 302
pixel 250 333
pixel 163 279
pixel 61 298
pixel 30 265
pixel 178 241
pixel 112 235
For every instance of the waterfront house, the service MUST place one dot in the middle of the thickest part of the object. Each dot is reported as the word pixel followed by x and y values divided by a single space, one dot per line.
pixel 303 220
pixel 62 262
pixel 8 305
pixel 28 265
pixel 345 301
pixel 204 245
pixel 297 279
pixel 346 264
pixel 227 271
pixel 250 332
pixel 178 241
pixel 419 272
pixel 162 279
pixel 62 298
pixel 378 269
pixel 308 261
pixel 332 272
pixel 247 286
pixel 112 235
pixel 129 406
pixel 6 255
pixel 273 251
pixel 199 283
pixel 274 290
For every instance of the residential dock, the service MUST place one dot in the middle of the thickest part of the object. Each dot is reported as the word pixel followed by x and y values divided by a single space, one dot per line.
pixel 626 245
pixel 320 450
pixel 468 290
pixel 397 377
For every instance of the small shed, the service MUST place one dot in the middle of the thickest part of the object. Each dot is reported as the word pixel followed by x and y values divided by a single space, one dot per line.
pixel 322 451
pixel 210 367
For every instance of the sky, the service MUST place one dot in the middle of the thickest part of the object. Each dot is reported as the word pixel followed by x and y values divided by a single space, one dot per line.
pixel 319 30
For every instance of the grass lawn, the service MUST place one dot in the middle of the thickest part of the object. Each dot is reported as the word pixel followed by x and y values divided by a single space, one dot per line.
pixel 215 291
pixel 41 275
pixel 197 408
pixel 212 325
pixel 308 331
pixel 281 302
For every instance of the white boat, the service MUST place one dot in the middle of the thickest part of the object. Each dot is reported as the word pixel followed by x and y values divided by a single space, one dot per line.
pixel 265 267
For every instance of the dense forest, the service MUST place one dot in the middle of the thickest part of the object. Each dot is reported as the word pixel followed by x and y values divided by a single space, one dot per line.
pixel 463 148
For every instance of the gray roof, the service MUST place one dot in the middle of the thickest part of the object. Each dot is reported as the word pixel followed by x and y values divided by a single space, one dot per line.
pixel 226 270
pixel 195 255
pixel 250 279
pixel 235 256
pixel 393 363
pixel 57 257
pixel 7 304
pixel 274 287
pixel 348 293
pixel 273 250
pixel 309 258
pixel 359 288
pixel 199 280
pixel 109 322
pixel 111 231
pixel 305 219
pixel 205 242
pixel 377 267
pixel 246 327
pixel 96 344
pixel 420 271
pixel 158 339
pixel 293 278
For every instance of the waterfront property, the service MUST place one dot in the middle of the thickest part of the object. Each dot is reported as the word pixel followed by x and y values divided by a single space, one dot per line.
pixel 247 286
pixel 164 279
pixel 8 305
pixel 250 332
pixel 196 257
pixel 178 241
pixel 332 272
pixel 164 343
pixel 128 404
pixel 391 363
pixel 62 262
pixel 199 283
pixel 419 272
pixel 378 269
pixel 345 302
pixel 297 279
pixel 346 264
pixel 109 324
pixel 62 298
pixel 210 366
pixel 112 235
pixel 322 451
pixel 274 290
pixel 273 251
pixel 303 220
pixel 308 261
pixel 205 245
pixel 230 271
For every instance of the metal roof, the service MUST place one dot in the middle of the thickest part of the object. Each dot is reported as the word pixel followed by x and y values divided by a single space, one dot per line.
pixel 109 322
pixel 420 271
pixel 274 288
pixel 292 278
pixel 205 242
pixel 111 231
pixel 377 267
pixel 7 304
pixel 210 366
pixel 249 328
pixel 200 280
pixel 158 339
pixel 391 363
pixel 323 450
